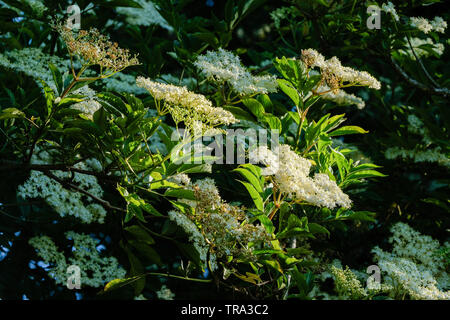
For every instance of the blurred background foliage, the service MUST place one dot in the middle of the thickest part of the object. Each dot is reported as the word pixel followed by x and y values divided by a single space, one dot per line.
pixel 413 192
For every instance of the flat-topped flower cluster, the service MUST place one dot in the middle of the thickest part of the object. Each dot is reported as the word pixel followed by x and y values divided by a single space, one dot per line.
pixel 290 173
pixel 223 66
pixel 186 106
pixel 335 75
pixel 216 226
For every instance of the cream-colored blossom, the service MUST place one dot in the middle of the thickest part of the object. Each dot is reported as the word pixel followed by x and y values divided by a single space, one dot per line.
pixel 223 66
pixel 216 226
pixel 164 293
pixel 421 23
pixel 413 267
pixel 95 270
pixel 291 175
pixel 390 8
pixel 335 75
pixel 65 202
pixel 186 106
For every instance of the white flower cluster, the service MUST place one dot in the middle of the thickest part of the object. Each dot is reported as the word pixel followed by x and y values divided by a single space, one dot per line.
pixel 181 179
pixel 416 126
pixel 424 25
pixel 217 226
pixel 413 267
pixel 291 175
pixel 418 155
pixel 390 8
pixel 223 66
pixel 341 97
pixel 95 270
pixel 430 155
pixel 88 106
pixel 335 74
pixel 164 293
pixel 63 201
pixel 146 16
pixel 37 6
pixel 34 63
pixel 347 284
pixel 416 43
pixel 188 107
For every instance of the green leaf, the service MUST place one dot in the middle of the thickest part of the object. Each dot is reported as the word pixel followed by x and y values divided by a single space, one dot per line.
pixel 256 197
pixel 180 193
pixel 9 113
pixel 140 234
pixel 317 228
pixel 347 130
pixel 239 113
pixel 134 211
pixel 252 178
pixel 255 107
pixel 273 122
pixel 266 222
pixel 289 90
pixel 365 174
pixel 146 251
pixel 57 77
pixel 136 270
pixel 118 283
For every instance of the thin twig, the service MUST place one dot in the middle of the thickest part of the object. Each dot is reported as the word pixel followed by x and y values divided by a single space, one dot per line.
pixel 78 189
pixel 439 91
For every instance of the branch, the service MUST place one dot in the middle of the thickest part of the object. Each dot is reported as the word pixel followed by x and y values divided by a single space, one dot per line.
pixel 12 165
pixel 78 189
pixel 420 63
pixel 439 91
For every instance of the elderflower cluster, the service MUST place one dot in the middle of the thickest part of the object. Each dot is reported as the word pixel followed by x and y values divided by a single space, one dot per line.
pixel 347 284
pixel 188 107
pixel 223 66
pixel 34 63
pixel 417 154
pixel 95 270
pixel 223 227
pixel 164 293
pixel 88 106
pixel 390 8
pixel 96 49
pixel 335 75
pixel 424 25
pixel 147 15
pixel 64 201
pixel 413 267
pixel 341 97
pixel 291 175
pixel 431 155
pixel 37 6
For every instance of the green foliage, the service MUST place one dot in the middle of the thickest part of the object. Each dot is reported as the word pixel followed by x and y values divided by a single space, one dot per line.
pixel 394 166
